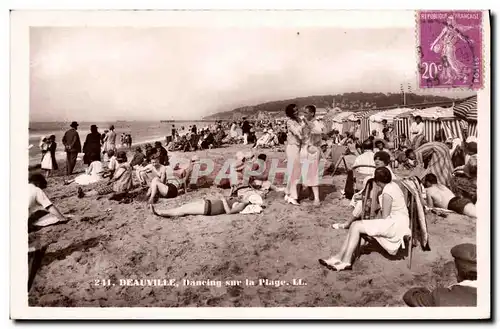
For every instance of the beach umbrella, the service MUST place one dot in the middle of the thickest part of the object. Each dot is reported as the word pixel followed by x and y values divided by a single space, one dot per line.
pixel 467 109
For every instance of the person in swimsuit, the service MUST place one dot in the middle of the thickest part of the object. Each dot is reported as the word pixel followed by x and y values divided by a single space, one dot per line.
pixel 207 207
pixel 163 189
pixel 442 197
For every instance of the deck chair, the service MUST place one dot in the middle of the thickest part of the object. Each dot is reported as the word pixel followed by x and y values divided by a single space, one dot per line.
pixel 338 153
pixel 370 211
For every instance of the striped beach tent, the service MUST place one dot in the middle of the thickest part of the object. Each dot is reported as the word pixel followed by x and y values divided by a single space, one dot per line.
pixel 389 115
pixel 339 119
pixel 434 119
pixel 467 109
pixel 364 117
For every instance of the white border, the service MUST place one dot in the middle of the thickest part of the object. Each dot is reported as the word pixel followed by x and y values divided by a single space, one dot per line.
pixel 19 110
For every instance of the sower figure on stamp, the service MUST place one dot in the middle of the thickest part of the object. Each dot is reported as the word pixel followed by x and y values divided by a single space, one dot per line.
pixel 464 293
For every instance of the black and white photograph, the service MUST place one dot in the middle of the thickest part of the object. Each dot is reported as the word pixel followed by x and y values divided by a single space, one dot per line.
pixel 250 161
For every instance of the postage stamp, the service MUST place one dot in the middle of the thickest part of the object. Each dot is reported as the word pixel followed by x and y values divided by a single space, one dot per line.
pixel 450 49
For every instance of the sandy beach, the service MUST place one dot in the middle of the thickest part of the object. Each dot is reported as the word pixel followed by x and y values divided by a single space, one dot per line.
pixel 108 240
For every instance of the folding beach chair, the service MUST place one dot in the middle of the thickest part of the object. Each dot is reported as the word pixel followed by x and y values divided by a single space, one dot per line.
pixel 371 211
pixel 338 153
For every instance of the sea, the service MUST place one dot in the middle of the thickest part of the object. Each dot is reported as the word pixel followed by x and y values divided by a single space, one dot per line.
pixel 141 132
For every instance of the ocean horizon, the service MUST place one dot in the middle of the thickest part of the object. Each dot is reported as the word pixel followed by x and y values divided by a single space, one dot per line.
pixel 141 132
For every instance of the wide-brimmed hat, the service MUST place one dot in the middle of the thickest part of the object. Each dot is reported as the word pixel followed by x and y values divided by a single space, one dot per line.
pixel 74 124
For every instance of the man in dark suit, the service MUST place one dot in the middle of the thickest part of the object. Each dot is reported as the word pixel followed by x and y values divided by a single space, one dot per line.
pixel 464 293
pixel 72 145
pixel 245 129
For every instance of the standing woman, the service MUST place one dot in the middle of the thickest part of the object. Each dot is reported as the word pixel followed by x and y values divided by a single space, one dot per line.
pixel 49 155
pixel 110 140
pixel 294 142
pixel 311 153
pixel 92 146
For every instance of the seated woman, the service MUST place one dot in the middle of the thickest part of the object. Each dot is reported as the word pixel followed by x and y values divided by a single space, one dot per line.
pixel 153 170
pixel 120 183
pixel 41 211
pixel 207 207
pixel 93 174
pixel 389 231
pixel 382 160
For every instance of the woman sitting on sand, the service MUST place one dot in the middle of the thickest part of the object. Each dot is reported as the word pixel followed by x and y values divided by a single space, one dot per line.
pixel 93 174
pixel 121 182
pixel 210 207
pixel 389 231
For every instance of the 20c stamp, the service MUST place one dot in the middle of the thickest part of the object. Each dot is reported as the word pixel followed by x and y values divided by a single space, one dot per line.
pixel 450 49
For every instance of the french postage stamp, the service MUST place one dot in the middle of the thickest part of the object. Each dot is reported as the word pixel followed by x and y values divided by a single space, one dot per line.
pixel 450 49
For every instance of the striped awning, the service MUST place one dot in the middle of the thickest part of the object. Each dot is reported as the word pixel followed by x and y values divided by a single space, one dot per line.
pixel 466 110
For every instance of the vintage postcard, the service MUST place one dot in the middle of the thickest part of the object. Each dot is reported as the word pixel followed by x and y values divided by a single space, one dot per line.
pixel 250 164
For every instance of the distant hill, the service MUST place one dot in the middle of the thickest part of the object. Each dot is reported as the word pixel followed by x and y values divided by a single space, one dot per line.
pixel 346 102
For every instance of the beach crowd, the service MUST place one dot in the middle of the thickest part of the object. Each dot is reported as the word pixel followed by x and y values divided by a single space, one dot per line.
pixel 437 176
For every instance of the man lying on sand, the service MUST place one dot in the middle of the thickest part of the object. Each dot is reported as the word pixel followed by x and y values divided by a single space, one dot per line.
pixel 440 196
pixel 210 207
pixel 42 212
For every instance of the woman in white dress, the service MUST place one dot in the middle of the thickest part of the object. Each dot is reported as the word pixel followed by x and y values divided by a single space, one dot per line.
pixel 388 231
pixel 233 133
pixel 311 153
pixel 48 147
pixel 93 174
pixel 294 126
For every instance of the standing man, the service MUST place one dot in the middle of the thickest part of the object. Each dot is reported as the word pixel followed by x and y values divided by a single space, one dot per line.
pixel 72 145
pixel 245 129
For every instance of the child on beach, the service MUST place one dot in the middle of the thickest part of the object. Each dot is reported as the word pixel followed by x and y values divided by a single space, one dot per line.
pixel 48 147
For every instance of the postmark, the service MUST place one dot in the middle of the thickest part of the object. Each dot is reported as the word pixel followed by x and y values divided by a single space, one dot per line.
pixel 450 49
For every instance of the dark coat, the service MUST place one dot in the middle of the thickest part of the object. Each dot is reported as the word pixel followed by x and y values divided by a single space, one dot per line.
pixel 92 148
pixel 71 141
pixel 456 295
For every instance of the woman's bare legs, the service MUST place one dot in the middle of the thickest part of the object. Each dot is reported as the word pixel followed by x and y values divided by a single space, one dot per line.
pixel 192 208
pixel 349 246
pixel 157 187
pixel 315 190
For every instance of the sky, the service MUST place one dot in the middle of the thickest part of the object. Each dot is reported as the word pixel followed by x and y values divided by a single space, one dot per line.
pixel 163 73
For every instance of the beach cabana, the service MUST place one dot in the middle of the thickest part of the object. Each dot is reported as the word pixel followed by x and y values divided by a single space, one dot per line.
pixel 434 119
pixel 389 115
pixel 467 112
pixel 339 120
pixel 364 118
